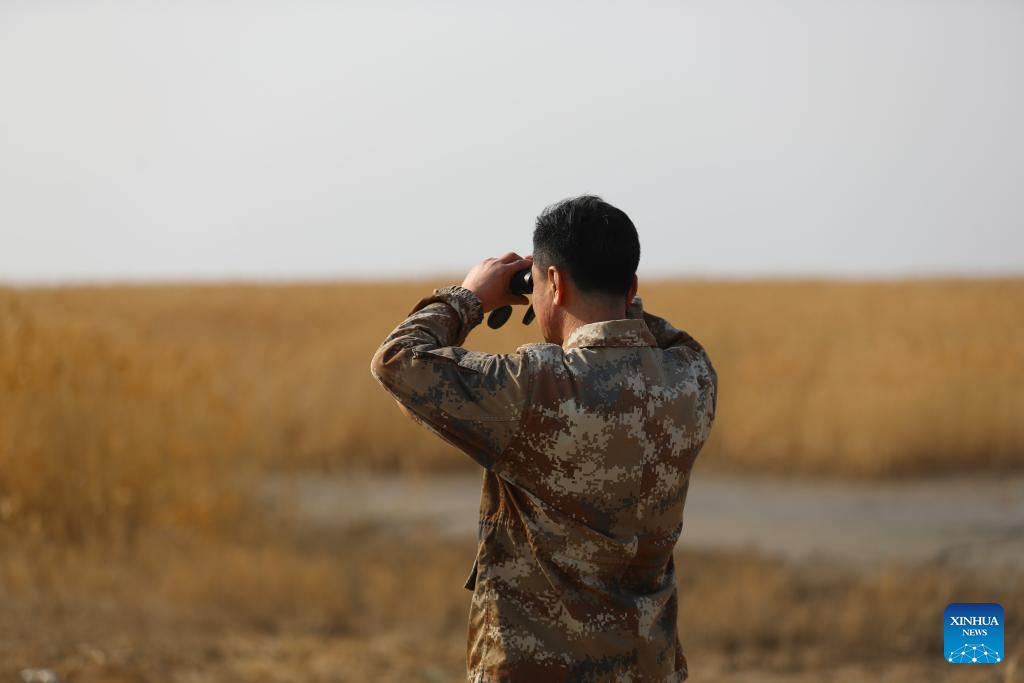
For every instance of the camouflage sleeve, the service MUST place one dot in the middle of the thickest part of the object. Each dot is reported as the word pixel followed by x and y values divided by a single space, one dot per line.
pixel 669 337
pixel 470 399
pixel 664 333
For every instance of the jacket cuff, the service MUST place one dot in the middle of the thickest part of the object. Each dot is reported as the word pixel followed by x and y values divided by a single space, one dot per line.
pixel 465 303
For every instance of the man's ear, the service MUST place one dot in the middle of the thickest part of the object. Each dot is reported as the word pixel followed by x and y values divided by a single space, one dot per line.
pixel 632 290
pixel 557 286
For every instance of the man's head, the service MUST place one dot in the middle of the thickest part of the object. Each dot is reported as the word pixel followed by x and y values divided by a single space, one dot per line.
pixel 585 255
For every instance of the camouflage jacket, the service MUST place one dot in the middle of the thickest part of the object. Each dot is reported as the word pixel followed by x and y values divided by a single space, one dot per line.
pixel 587 450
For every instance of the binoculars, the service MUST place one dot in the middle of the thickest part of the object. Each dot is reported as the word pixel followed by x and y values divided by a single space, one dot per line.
pixel 521 283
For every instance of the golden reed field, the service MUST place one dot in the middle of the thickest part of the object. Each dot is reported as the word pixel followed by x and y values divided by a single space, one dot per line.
pixel 136 422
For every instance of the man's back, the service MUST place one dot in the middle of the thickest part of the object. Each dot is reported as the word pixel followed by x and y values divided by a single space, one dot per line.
pixel 588 449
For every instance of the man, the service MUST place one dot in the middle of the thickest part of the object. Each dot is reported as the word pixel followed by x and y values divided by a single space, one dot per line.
pixel 587 442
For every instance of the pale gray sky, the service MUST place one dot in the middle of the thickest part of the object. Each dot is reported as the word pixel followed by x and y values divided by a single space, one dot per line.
pixel 305 139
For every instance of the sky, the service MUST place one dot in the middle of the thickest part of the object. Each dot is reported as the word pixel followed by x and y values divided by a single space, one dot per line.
pixel 309 140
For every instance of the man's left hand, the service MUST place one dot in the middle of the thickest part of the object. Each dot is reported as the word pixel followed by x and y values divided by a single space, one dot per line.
pixel 490 280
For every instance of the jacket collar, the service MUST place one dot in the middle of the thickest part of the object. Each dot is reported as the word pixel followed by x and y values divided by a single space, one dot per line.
pixel 625 332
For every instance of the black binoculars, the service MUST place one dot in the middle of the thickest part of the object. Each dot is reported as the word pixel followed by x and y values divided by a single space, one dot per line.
pixel 521 283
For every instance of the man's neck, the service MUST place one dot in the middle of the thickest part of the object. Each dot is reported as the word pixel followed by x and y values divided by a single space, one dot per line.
pixel 588 315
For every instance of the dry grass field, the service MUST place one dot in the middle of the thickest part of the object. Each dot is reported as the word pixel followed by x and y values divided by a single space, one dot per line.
pixel 848 379
pixel 134 422
pixel 361 605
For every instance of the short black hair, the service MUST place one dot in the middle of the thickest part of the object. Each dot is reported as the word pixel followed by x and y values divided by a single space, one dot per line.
pixel 594 241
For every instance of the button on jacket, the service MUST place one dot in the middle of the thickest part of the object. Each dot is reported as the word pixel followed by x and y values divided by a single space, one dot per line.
pixel 587 450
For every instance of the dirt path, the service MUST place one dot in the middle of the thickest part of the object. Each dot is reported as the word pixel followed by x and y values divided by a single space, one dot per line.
pixel 977 522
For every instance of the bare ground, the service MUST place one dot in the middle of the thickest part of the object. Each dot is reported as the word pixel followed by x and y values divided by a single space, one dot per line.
pixel 971 522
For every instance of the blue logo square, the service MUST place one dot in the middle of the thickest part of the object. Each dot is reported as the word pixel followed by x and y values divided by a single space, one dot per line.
pixel 974 633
